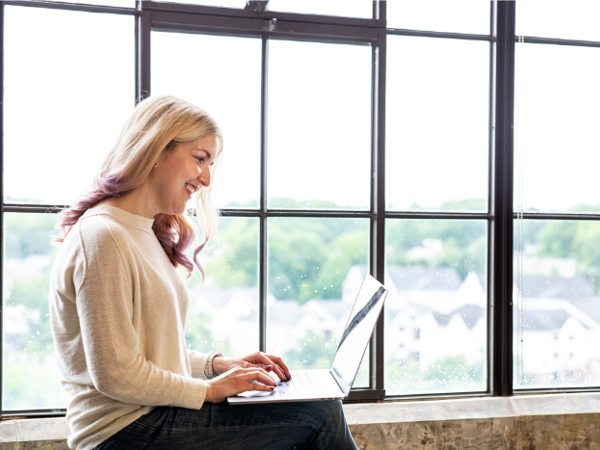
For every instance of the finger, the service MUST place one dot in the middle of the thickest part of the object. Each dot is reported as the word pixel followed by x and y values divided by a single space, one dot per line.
pixel 282 366
pixel 276 365
pixel 266 361
pixel 257 373
pixel 275 368
pixel 279 372
pixel 259 387
pixel 266 379
pixel 260 381
pixel 261 359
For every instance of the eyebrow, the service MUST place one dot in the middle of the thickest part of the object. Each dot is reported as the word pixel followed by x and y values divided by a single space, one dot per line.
pixel 205 151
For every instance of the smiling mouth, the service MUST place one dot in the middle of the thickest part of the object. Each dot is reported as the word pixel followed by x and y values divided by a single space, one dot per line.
pixel 191 188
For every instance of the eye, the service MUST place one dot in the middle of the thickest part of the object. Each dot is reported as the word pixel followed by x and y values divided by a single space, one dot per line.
pixel 200 159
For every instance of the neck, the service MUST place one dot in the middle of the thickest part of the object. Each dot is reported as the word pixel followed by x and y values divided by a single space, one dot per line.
pixel 135 202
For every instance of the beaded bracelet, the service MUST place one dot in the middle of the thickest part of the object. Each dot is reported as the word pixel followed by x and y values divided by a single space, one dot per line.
pixel 209 371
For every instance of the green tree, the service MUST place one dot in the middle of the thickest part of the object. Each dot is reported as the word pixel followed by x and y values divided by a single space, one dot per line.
pixel 583 244
pixel 307 258
pixel 312 351
pixel 198 335
pixel 28 234
pixel 464 243
pixel 447 374
pixel 556 239
pixel 233 260
pixel 343 252
pixel 33 294
pixel 454 373
pixel 296 257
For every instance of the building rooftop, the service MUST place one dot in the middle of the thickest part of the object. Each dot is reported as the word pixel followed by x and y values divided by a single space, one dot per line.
pixel 571 289
pixel 423 278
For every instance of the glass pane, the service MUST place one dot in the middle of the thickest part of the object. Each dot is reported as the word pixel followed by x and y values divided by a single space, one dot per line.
pixel 66 99
pixel 464 16
pixel 437 124
pixel 556 121
pixel 224 312
pixel 212 79
pixel 557 318
pixel 319 139
pixel 222 3
pixel 312 285
pixel 435 313
pixel 117 3
pixel 556 19
pixel 347 8
pixel 30 371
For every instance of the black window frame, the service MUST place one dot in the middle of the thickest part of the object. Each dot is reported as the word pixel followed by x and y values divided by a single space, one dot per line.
pixel 158 16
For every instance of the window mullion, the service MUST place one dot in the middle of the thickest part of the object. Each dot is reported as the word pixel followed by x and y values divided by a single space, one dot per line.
pixel 143 28
pixel 2 203
pixel 502 354
pixel 263 244
pixel 378 197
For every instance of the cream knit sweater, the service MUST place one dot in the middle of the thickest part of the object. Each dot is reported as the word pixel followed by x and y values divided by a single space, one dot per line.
pixel 118 310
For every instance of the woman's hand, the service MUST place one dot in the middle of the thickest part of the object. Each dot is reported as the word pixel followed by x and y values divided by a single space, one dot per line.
pixel 258 359
pixel 237 380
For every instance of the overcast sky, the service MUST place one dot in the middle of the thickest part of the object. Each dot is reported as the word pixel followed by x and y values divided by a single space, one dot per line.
pixel 69 87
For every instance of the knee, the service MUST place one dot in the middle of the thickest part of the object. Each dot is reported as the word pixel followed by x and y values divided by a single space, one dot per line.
pixel 333 408
pixel 329 413
pixel 334 432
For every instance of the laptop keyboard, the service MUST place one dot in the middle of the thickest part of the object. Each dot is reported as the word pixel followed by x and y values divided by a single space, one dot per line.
pixel 302 383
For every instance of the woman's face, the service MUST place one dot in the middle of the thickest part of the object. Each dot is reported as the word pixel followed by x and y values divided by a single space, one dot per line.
pixel 182 172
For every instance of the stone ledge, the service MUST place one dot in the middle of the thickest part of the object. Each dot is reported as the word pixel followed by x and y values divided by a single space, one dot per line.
pixel 472 408
pixel 41 434
pixel 563 432
pixel 544 422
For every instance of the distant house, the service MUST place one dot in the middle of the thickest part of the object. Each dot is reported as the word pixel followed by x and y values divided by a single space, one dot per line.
pixel 234 315
pixel 433 288
pixel 430 314
pixel 557 330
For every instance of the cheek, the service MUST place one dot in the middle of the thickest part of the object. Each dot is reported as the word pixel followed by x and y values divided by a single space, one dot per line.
pixel 170 185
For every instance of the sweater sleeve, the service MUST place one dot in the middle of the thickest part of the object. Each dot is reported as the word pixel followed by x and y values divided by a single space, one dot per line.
pixel 112 349
pixel 198 363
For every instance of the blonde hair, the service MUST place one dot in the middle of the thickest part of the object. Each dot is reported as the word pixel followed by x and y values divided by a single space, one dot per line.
pixel 157 125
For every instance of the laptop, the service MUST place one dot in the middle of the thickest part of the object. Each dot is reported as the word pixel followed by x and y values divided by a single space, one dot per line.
pixel 333 383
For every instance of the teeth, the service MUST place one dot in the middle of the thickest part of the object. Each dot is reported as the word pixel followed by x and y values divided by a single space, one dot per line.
pixel 190 188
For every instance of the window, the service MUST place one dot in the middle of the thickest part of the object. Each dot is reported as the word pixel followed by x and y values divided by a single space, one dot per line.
pixel 352 147
pixel 51 149
pixel 556 200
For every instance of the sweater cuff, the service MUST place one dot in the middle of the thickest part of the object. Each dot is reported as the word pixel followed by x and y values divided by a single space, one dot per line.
pixel 193 395
pixel 198 363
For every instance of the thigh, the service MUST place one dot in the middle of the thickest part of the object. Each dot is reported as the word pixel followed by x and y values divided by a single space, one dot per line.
pixel 302 425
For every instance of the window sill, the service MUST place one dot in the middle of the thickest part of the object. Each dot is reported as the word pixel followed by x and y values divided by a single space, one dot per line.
pixel 545 421
pixel 548 421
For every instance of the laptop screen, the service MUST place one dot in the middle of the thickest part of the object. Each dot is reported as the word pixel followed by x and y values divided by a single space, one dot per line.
pixel 356 336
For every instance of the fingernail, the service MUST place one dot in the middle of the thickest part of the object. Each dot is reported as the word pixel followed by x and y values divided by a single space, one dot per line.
pixel 269 368
pixel 271 387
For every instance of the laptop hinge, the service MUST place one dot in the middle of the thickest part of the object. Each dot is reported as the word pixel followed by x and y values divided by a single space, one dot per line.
pixel 339 381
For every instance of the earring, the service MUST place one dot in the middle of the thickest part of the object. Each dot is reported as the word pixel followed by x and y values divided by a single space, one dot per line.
pixel 156 165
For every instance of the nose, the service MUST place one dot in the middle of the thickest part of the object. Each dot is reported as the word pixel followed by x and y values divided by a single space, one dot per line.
pixel 204 177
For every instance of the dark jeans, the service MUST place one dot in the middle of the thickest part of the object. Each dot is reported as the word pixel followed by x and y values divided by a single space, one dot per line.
pixel 299 425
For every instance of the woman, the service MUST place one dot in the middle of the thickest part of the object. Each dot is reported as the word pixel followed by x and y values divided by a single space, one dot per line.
pixel 118 307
